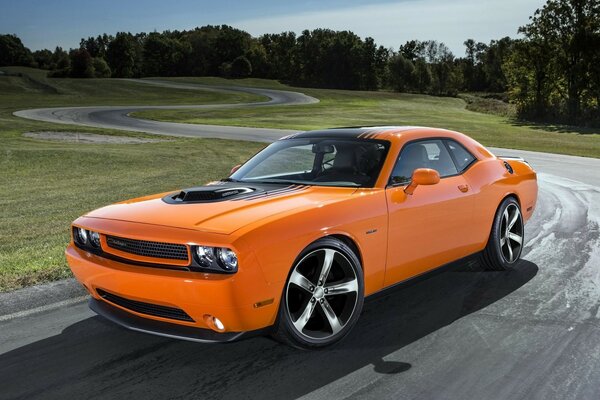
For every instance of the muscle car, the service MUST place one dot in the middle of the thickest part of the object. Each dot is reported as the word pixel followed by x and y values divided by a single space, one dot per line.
pixel 292 242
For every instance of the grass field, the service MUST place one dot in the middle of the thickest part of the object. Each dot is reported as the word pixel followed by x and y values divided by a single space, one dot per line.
pixel 355 108
pixel 45 185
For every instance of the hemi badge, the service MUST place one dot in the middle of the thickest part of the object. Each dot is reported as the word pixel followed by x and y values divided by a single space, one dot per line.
pixel 371 231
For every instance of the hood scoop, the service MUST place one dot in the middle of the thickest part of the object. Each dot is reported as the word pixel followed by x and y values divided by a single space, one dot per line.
pixel 207 194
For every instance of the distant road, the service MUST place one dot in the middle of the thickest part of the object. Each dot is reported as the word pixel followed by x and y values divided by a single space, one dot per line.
pixel 529 333
pixel 117 117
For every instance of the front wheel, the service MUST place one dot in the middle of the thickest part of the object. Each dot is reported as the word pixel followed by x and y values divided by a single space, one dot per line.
pixel 323 296
pixel 506 239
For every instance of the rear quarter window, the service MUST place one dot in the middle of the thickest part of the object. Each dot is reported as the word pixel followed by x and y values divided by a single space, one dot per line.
pixel 462 157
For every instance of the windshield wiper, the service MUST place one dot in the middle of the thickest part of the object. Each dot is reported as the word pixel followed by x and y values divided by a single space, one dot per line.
pixel 228 180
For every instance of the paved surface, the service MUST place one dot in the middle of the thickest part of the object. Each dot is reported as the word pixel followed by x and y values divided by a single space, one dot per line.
pixel 116 117
pixel 529 333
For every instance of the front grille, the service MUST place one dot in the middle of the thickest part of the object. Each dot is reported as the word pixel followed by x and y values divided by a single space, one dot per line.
pixel 146 308
pixel 148 249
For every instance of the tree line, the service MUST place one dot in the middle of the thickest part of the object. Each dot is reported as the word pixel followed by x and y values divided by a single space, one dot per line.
pixel 552 73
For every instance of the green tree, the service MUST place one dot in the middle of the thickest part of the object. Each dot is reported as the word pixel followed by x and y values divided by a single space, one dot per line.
pixel 81 64
pixel 492 60
pixel 96 46
pixel 569 27
pixel 124 55
pixel 257 56
pixel 401 73
pixel 474 78
pixel 531 77
pixel 241 67
pixel 444 71
pixel 422 76
pixel 281 55
pixel 164 55
pixel 101 68
pixel 368 65
pixel 13 52
pixel 43 58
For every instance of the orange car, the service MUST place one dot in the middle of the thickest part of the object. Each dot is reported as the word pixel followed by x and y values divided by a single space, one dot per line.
pixel 292 242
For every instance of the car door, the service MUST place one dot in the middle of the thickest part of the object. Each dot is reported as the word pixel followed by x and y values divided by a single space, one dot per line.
pixel 430 227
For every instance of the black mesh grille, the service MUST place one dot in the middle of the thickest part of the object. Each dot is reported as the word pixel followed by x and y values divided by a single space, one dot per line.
pixel 148 249
pixel 146 308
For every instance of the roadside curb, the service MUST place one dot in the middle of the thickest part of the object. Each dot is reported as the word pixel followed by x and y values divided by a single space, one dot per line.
pixel 33 299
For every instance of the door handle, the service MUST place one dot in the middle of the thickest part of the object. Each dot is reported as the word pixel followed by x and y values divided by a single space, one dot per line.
pixel 463 188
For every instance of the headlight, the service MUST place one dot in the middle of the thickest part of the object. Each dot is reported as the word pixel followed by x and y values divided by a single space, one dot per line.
pixel 206 255
pixel 219 259
pixel 81 236
pixel 228 259
pixel 95 239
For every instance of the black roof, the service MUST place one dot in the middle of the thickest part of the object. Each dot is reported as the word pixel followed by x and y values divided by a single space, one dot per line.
pixel 348 132
pixel 337 132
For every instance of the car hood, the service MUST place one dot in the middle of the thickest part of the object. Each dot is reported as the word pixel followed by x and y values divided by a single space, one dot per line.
pixel 221 207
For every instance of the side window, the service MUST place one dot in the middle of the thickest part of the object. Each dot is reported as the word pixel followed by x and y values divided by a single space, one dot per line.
pixel 423 154
pixel 462 157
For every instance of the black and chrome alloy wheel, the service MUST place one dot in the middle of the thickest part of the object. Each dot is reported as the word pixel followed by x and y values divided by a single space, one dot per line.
pixel 323 295
pixel 511 233
pixel 506 240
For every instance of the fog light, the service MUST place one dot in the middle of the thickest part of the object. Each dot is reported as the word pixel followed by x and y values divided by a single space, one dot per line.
pixel 81 236
pixel 95 239
pixel 214 323
pixel 218 324
pixel 228 259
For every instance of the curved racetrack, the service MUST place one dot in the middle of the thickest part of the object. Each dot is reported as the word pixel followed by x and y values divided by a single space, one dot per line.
pixel 529 333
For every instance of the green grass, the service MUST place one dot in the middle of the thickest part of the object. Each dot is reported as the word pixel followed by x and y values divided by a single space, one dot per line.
pixel 355 108
pixel 44 185
pixel 35 90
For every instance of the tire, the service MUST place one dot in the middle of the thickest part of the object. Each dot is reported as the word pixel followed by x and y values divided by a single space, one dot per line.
pixel 310 315
pixel 506 240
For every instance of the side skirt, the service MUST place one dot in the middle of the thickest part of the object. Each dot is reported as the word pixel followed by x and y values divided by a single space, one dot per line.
pixel 467 261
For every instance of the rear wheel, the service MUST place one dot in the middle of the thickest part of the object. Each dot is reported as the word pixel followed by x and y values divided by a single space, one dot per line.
pixel 323 296
pixel 506 240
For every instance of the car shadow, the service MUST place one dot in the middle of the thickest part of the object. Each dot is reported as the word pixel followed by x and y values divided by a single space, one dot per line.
pixel 96 359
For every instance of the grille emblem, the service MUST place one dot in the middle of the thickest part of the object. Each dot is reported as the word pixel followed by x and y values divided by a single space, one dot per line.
pixel 117 242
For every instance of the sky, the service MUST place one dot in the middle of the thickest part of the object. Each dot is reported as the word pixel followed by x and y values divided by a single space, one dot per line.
pixel 46 24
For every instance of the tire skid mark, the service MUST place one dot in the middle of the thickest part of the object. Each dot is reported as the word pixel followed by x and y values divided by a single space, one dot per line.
pixel 566 245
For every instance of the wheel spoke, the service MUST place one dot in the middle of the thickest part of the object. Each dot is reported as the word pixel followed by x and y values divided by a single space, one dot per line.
pixel 510 253
pixel 513 219
pixel 505 217
pixel 300 280
pixel 333 320
pixel 326 267
pixel 346 287
pixel 502 241
pixel 301 322
pixel 514 237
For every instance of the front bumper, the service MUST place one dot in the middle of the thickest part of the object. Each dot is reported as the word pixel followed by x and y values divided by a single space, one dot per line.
pixel 173 331
pixel 231 298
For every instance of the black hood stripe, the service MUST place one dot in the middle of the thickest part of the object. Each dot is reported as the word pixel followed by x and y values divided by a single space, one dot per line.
pixel 276 192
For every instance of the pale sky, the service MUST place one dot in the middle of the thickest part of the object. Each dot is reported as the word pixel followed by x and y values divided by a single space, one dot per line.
pixel 45 24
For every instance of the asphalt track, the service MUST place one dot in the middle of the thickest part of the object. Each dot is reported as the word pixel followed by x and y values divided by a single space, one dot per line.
pixel 529 333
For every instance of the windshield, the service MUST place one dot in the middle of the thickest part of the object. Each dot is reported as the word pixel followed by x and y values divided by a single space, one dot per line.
pixel 316 161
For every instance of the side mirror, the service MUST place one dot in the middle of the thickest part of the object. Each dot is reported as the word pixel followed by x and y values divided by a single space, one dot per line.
pixel 235 168
pixel 422 176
